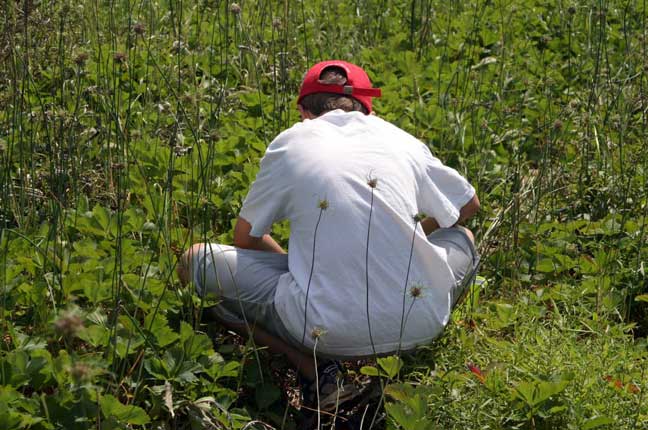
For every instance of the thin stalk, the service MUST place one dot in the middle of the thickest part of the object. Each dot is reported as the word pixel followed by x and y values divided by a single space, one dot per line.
pixel 372 184
pixel 312 269
pixel 319 414
pixel 412 23
pixel 409 265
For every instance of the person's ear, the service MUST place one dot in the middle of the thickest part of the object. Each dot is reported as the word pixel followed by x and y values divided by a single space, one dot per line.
pixel 305 114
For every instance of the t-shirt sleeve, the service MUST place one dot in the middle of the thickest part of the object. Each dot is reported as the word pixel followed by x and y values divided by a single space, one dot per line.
pixel 266 201
pixel 443 191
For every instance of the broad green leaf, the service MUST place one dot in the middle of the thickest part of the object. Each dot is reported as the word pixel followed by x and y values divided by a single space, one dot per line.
pixel 410 414
pixel 156 368
pixel 399 392
pixel 39 368
pixel 588 265
pixel 128 345
pixel 597 422
pixel 390 365
pixel 130 414
pixel 160 329
pixel 404 391
pixel 28 420
pixel 534 393
pixel 194 344
pixel 10 420
pixel 101 216
pixel 506 315
pixel 546 265
pixel 556 410
pixel 402 415
pixel 641 298
pixel 97 291
pixel 95 335
pixel 369 370
pixel 223 370
pixel 88 248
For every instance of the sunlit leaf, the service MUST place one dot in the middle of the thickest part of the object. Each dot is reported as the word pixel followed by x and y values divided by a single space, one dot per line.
pixel 130 414
pixel 391 365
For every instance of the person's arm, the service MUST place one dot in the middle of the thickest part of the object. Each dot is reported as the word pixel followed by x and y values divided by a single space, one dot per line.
pixel 469 209
pixel 242 239
pixel 429 224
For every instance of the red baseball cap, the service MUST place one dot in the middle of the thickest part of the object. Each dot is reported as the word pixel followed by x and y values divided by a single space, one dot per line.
pixel 357 86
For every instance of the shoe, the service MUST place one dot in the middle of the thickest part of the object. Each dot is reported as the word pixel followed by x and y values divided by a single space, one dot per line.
pixel 332 388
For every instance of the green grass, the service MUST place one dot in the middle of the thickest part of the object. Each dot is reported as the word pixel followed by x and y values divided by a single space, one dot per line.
pixel 131 129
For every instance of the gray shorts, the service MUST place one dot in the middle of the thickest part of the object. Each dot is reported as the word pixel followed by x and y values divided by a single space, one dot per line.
pixel 244 281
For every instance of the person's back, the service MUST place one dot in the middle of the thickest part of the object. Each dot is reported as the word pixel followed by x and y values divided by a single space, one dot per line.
pixel 349 167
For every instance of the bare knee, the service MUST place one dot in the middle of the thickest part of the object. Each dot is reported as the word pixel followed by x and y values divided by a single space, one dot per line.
pixel 184 267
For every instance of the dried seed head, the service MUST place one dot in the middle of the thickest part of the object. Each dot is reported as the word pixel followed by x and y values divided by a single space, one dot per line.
pixel 372 182
pixel 544 42
pixel 235 8
pixel 119 57
pixel 571 10
pixel 558 125
pixel 178 46
pixel 81 58
pixel 81 371
pixel 276 23
pixel 182 150
pixel 416 291
pixel 323 204
pixel 139 28
pixel 419 217
pixel 317 333
pixel 68 324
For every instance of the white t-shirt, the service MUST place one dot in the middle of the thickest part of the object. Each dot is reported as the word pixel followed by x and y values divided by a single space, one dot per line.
pixel 333 158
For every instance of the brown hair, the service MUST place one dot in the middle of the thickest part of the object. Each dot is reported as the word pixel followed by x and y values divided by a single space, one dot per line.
pixel 319 103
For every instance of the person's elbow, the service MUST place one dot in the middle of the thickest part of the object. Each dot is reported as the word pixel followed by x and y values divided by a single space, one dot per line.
pixel 475 204
pixel 242 242
pixel 246 241
pixel 470 208
pixel 242 237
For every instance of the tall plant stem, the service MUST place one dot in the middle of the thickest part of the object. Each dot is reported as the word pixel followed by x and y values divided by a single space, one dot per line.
pixel 373 347
pixel 310 275
pixel 409 265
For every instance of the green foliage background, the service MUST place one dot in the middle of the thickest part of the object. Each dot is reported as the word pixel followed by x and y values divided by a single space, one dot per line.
pixel 131 129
